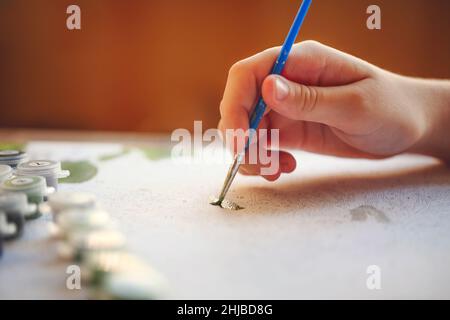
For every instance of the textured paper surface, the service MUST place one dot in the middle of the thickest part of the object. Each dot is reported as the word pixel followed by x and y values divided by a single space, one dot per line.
pixel 300 237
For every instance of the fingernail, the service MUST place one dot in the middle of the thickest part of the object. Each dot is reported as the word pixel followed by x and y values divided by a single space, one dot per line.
pixel 281 89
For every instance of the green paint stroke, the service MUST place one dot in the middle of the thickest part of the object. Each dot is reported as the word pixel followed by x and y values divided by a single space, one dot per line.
pixel 156 153
pixel 80 171
pixel 112 156
pixel 13 146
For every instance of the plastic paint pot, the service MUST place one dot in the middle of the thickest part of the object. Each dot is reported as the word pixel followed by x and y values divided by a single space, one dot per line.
pixel 49 169
pixel 16 202
pixel 34 187
pixel 62 201
pixel 5 172
pixel 97 265
pixel 80 244
pixel 75 221
pixel 11 225
pixel 100 268
pixel 130 285
pixel 12 157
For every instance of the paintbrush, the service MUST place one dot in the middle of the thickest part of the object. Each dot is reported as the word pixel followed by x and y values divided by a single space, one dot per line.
pixel 261 106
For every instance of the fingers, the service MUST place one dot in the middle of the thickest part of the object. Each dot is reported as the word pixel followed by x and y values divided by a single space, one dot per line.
pixel 314 64
pixel 236 138
pixel 259 159
pixel 243 88
pixel 328 105
pixel 325 93
pixel 309 63
pixel 280 162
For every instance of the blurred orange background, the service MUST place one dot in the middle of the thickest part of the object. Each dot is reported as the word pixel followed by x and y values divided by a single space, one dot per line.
pixel 155 66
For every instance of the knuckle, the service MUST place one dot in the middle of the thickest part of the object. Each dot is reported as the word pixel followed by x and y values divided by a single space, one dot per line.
pixel 358 98
pixel 305 99
pixel 310 45
pixel 237 69
pixel 272 50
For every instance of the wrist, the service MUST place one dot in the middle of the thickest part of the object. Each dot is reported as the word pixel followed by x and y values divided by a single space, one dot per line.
pixel 432 98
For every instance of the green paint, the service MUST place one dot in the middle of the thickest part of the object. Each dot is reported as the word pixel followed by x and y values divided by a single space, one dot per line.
pixel 12 146
pixel 112 156
pixel 156 153
pixel 80 171
pixel 36 198
pixel 34 215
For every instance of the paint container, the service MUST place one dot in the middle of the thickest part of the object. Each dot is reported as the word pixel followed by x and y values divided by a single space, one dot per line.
pixel 74 221
pixel 16 202
pixel 34 187
pixel 121 276
pixel 12 157
pixel 62 201
pixel 129 286
pixel 11 225
pixel 97 265
pixel 80 244
pixel 5 172
pixel 49 169
pixel 130 280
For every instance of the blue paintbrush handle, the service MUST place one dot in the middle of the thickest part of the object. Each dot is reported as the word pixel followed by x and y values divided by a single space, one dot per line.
pixel 278 67
pixel 260 108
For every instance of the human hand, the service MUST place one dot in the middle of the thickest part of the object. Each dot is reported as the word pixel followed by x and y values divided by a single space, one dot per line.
pixel 328 102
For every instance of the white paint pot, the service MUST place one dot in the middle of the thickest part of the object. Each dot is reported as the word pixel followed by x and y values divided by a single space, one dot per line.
pixel 12 157
pixel 34 187
pixel 49 169
pixel 5 172
pixel 62 201
pixel 17 202
pixel 75 221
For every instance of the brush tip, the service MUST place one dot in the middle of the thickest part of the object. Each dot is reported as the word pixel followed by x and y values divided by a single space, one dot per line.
pixel 225 204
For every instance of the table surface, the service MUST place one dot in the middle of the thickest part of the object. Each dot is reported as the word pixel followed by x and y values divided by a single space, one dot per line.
pixel 313 234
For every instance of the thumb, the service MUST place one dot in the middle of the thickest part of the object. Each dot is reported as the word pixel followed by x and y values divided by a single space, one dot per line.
pixel 328 105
